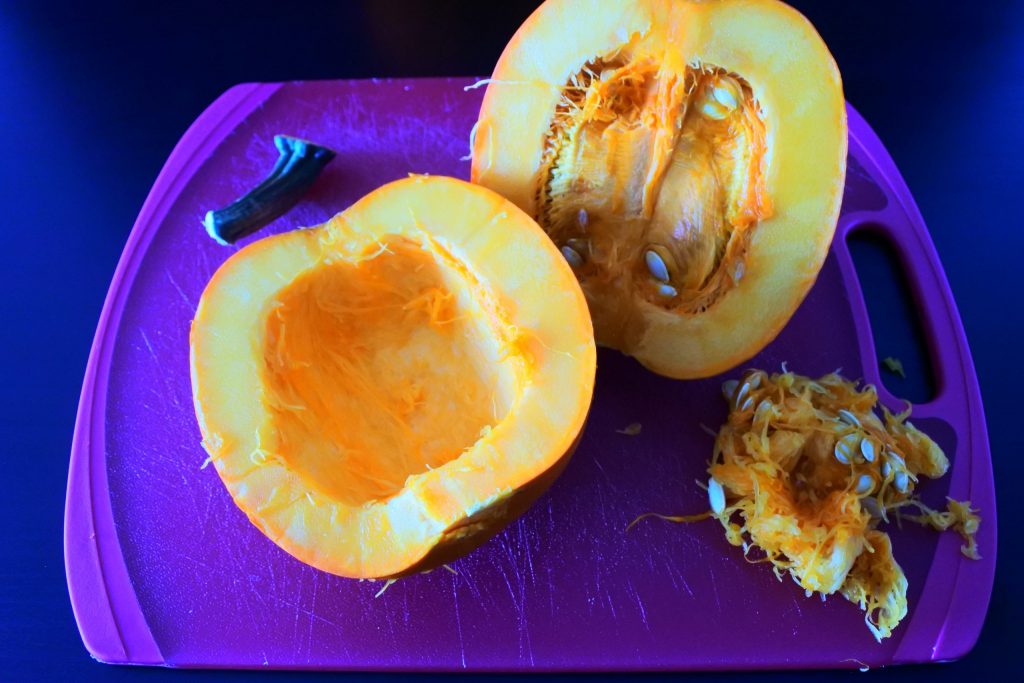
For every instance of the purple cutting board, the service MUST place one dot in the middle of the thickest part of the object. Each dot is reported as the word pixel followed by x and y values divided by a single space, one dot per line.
pixel 164 569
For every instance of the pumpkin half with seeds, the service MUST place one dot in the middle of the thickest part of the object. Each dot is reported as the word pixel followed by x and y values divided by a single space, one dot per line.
pixel 384 392
pixel 686 157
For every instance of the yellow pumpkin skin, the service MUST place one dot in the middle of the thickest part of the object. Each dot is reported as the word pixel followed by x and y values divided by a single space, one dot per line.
pixel 711 133
pixel 383 393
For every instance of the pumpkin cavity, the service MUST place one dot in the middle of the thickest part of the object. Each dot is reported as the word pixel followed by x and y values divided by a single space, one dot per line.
pixel 380 368
pixel 652 182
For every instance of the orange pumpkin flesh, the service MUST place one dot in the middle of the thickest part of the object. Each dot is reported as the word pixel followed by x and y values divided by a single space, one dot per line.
pixel 384 392
pixel 687 157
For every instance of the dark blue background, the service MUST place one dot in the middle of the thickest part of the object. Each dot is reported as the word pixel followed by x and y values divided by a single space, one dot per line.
pixel 93 97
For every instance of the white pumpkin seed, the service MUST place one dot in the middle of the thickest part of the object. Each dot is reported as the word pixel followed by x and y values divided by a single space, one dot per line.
pixel 572 256
pixel 713 109
pixel 754 380
pixel 765 406
pixel 845 447
pixel 867 449
pixel 897 459
pixel 656 265
pixel 865 484
pixel 729 388
pixel 725 95
pixel 748 403
pixel 667 291
pixel 744 390
pixel 716 496
pixel 582 218
pixel 886 469
pixel 902 481
pixel 849 418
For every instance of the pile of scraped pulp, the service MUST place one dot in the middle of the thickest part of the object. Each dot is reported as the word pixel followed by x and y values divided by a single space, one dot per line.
pixel 803 473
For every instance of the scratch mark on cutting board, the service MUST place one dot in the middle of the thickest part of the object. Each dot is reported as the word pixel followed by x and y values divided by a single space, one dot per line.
pixel 608 479
pixel 551 594
pixel 253 590
pixel 196 562
pixel 298 610
pixel 714 589
pixel 611 605
pixel 312 615
pixel 149 346
pixel 458 619
pixel 312 611
pixel 471 584
pixel 168 388
pixel 525 540
pixel 181 292
pixel 244 602
pixel 519 598
pixel 640 604
pixel 677 577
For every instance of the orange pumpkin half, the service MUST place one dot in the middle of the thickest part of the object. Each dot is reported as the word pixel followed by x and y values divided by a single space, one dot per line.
pixel 687 157
pixel 384 392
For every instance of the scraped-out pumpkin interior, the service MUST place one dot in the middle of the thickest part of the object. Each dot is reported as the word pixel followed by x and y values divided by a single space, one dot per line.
pixel 652 182
pixel 382 367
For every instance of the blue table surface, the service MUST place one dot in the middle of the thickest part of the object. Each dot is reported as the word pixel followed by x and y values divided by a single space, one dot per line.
pixel 93 96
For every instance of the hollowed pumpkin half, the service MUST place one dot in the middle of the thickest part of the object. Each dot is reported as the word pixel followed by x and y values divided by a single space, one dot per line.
pixel 687 157
pixel 384 392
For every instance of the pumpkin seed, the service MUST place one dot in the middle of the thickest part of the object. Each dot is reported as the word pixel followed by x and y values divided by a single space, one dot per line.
pixel 754 380
pixel 729 389
pixel 744 390
pixel 582 218
pixel 765 406
pixel 867 449
pixel 886 469
pixel 897 458
pixel 581 245
pixel 667 291
pixel 726 92
pixel 656 265
pixel 748 403
pixel 849 418
pixel 724 97
pixel 902 481
pixel 572 256
pixel 716 496
pixel 872 507
pixel 713 110
pixel 865 484
pixel 845 448
pixel 737 275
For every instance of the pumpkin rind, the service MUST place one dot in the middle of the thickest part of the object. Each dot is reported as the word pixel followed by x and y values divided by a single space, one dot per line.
pixel 790 84
pixel 494 253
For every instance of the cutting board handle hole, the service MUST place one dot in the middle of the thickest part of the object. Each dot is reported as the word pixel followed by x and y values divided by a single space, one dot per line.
pixel 895 316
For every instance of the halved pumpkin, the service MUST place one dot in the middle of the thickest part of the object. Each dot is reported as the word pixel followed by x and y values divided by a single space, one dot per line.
pixel 688 158
pixel 384 392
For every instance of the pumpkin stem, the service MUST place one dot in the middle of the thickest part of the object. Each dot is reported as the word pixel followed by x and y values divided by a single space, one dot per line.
pixel 297 167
